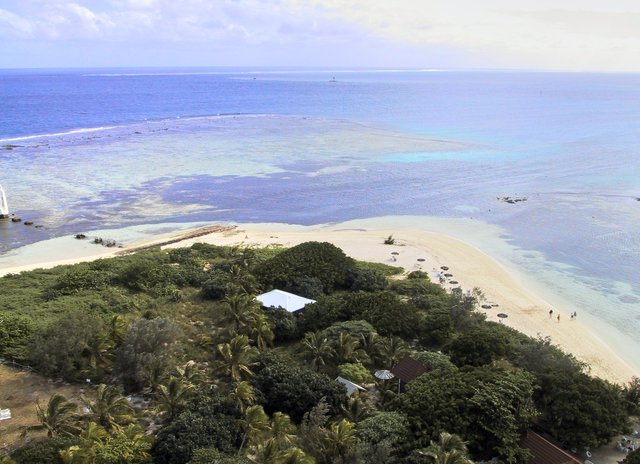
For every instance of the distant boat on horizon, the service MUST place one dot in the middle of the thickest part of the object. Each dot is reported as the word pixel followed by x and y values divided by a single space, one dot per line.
pixel 333 79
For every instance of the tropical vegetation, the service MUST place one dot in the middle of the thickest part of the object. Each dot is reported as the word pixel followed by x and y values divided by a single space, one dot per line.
pixel 181 365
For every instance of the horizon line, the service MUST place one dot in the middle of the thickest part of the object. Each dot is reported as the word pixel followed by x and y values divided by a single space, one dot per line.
pixel 254 69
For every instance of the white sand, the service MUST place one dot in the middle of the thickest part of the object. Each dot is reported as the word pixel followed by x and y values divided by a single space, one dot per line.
pixel 470 267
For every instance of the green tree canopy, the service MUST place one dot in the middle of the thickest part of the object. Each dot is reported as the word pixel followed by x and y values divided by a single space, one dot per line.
pixel 208 421
pixel 148 352
pixel 64 347
pixel 294 389
pixel 389 426
pixel 580 410
pixel 488 408
pixel 315 260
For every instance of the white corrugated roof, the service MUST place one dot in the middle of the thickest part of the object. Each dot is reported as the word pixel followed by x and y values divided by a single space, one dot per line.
pixel 351 387
pixel 281 299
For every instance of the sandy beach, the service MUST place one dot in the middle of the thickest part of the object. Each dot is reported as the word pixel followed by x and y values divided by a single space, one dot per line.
pixel 416 250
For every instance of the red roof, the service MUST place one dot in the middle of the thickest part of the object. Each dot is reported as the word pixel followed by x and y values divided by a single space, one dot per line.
pixel 408 369
pixel 545 452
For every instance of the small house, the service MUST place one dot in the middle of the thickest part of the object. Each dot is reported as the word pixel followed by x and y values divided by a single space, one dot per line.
pixel 406 370
pixel 282 299
pixel 545 452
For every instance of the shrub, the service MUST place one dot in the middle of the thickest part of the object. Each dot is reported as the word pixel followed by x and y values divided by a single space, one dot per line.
pixel 418 275
pixel 392 427
pixel 322 261
pixel 81 277
pixel 480 345
pixel 64 347
pixel 213 456
pixel 367 280
pixel 147 352
pixel 384 311
pixel 217 286
pixel 15 335
pixel 355 372
pixel 308 287
pixel 632 458
pixel 209 421
pixel 293 389
pixel 45 451
pixel 354 328
pixel 433 360
pixel 285 324
pixel 321 314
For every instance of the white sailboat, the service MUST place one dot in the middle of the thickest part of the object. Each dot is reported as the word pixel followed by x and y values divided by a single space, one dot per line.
pixel 4 206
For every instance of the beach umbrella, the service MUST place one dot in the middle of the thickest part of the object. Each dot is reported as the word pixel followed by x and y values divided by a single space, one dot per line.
pixel 384 374
pixel 502 315
pixel 395 253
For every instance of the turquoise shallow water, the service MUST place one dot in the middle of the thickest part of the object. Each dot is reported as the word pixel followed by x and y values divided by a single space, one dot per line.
pixel 296 148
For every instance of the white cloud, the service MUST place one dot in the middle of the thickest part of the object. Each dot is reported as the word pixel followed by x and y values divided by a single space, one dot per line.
pixel 554 34
pixel 545 34
pixel 253 21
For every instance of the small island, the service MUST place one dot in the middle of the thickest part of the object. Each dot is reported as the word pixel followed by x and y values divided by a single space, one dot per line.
pixel 169 357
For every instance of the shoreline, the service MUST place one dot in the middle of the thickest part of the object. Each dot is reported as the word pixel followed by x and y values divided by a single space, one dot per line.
pixel 528 311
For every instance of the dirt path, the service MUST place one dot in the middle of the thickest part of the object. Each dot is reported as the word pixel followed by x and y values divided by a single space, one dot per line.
pixel 19 391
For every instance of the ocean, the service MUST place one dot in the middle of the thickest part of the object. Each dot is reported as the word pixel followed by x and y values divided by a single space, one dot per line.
pixel 82 150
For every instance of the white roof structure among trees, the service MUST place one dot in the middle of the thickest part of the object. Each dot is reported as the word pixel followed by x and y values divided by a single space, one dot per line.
pixel 351 387
pixel 282 299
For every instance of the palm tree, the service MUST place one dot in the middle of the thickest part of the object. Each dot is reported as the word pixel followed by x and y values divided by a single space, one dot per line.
pixel 137 444
pixel 237 357
pixel 265 452
pixel 262 330
pixel 191 374
pixel 99 354
pixel 339 440
pixel 128 444
pixel 317 349
pixel 238 311
pixel 255 422
pixel 282 429
pixel 117 329
pixel 242 281
pixel 58 418
pixel 92 437
pixel 110 409
pixel 243 395
pixel 449 449
pixel 346 348
pixel 76 455
pixel 173 396
pixel 294 456
pixel 392 350
pixel 370 344
pixel 356 410
pixel 245 257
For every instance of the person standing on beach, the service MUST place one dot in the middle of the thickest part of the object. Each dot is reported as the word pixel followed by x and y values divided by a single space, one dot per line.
pixel 558 317
pixel 550 313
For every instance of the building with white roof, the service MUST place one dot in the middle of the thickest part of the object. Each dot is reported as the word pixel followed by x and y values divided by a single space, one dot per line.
pixel 282 299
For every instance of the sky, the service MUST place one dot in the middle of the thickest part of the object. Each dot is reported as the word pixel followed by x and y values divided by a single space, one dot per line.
pixel 548 35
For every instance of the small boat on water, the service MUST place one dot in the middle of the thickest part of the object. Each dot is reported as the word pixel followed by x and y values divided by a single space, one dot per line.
pixel 4 206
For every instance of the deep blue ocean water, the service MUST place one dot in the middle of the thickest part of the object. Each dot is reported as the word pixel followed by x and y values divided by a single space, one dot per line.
pixel 110 148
